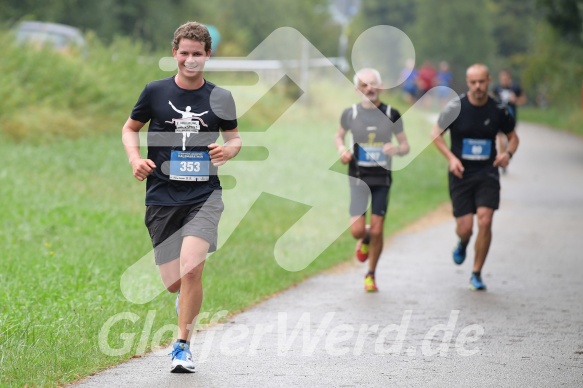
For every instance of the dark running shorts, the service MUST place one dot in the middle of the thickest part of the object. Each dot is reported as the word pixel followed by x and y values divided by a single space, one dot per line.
pixel 359 197
pixel 474 191
pixel 167 226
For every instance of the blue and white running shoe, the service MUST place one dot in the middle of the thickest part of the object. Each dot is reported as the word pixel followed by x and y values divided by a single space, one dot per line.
pixel 181 359
pixel 476 283
pixel 459 253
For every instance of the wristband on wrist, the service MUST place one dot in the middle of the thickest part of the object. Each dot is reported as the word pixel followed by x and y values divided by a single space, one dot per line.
pixel 509 154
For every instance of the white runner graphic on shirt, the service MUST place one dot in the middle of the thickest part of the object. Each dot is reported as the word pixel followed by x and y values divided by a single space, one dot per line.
pixel 189 123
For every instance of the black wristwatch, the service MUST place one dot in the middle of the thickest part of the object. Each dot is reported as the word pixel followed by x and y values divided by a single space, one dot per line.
pixel 509 153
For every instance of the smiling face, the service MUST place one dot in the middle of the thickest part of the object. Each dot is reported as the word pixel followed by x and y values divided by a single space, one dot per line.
pixel 478 80
pixel 190 57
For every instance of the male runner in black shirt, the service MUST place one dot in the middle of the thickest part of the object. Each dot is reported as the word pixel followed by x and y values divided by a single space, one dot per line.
pixel 511 95
pixel 183 192
pixel 474 181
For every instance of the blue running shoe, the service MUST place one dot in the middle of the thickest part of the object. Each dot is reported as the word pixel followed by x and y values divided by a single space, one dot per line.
pixel 476 283
pixel 181 359
pixel 459 253
pixel 177 304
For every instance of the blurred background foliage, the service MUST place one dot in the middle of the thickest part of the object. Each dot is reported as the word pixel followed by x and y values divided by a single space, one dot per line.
pixel 541 41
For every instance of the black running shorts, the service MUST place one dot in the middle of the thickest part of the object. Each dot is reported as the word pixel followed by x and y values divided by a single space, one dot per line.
pixel 477 190
pixel 359 199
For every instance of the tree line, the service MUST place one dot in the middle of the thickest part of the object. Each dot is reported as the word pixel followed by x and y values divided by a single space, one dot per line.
pixel 540 40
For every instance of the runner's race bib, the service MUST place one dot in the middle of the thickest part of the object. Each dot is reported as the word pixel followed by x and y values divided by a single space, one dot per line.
pixel 371 156
pixel 189 165
pixel 476 149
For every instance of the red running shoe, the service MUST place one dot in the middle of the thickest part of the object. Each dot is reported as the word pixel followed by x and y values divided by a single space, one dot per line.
pixel 361 251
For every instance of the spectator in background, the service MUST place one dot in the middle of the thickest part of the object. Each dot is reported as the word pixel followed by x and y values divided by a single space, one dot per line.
pixel 409 81
pixel 426 78
pixel 444 78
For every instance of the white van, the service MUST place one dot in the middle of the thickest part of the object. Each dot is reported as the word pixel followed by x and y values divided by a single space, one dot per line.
pixel 61 37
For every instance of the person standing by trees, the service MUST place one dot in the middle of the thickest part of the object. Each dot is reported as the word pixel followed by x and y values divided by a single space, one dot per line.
pixel 408 79
pixel 444 78
pixel 474 182
pixel 183 191
pixel 426 77
pixel 373 125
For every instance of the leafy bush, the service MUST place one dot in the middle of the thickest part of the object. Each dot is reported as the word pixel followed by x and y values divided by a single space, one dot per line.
pixel 554 70
pixel 46 95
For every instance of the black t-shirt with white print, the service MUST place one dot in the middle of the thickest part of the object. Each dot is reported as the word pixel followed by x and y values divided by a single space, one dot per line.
pixel 182 125
pixel 473 132
pixel 371 130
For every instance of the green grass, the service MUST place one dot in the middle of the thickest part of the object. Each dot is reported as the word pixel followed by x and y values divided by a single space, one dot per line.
pixel 71 225
pixel 570 120
pixel 72 214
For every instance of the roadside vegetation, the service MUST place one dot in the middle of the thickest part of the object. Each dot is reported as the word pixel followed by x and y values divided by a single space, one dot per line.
pixel 72 214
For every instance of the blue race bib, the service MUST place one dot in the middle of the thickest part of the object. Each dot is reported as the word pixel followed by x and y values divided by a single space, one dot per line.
pixel 189 165
pixel 371 156
pixel 476 149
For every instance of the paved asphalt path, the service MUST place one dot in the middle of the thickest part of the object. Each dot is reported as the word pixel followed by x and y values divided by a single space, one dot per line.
pixel 424 328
